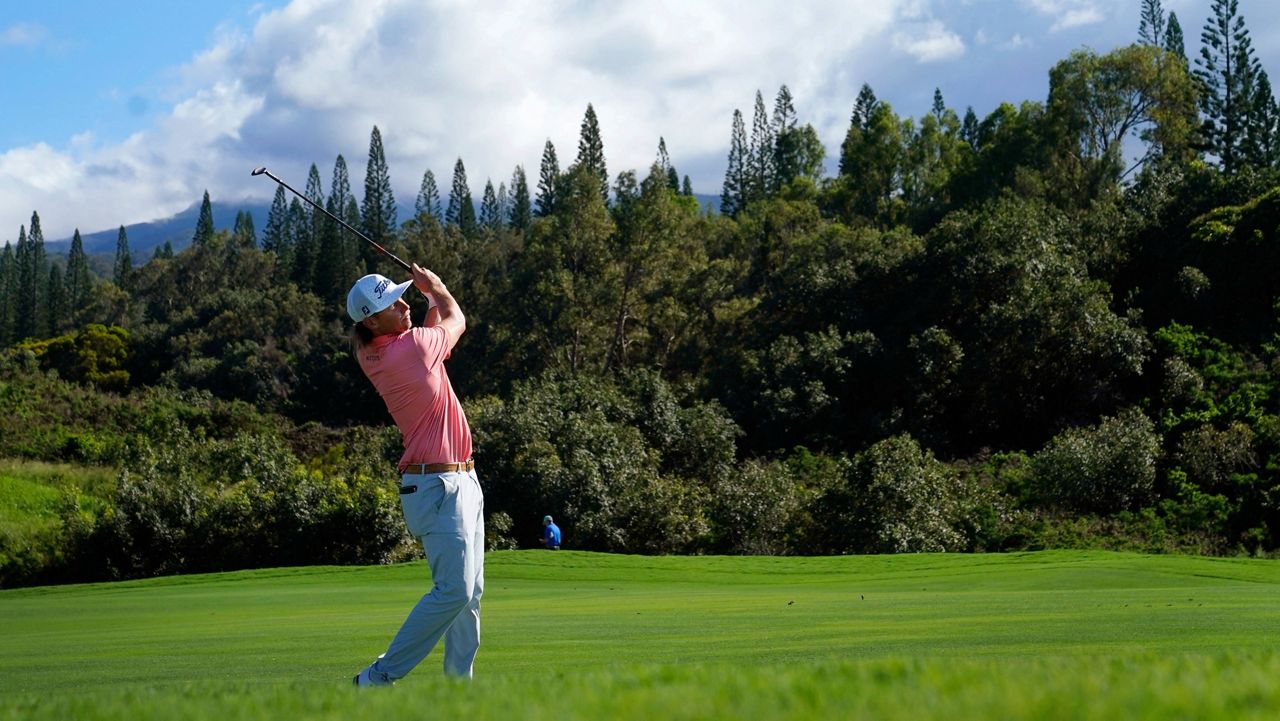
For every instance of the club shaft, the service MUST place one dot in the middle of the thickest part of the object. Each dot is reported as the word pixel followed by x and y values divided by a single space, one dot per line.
pixel 340 221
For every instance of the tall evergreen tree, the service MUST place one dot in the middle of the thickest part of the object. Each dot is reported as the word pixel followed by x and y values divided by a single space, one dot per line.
pixel 275 236
pixel 521 207
pixel 504 205
pixel 969 128
pixel 686 188
pixel 309 230
pixel 378 209
pixel 204 224
pixel 33 274
pixel 939 109
pixel 56 319
pixel 244 234
pixel 733 196
pixel 760 154
pixel 1151 26
pixel 786 143
pixel 663 165
pixel 339 246
pixel 1173 41
pixel 1263 150
pixel 490 214
pixel 428 202
pixel 548 180
pixel 299 228
pixel 8 289
pixel 1227 70
pixel 78 280
pixel 122 275
pixel 461 211
pixel 859 123
pixel 591 151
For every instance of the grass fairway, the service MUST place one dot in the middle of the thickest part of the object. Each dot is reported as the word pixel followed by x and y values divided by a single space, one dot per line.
pixel 1055 635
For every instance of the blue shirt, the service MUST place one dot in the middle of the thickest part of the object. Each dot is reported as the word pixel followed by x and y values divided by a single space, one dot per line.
pixel 551 534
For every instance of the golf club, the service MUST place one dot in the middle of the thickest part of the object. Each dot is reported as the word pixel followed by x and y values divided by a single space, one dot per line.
pixel 263 171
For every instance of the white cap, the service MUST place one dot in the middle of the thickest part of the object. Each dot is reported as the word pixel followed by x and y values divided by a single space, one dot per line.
pixel 372 294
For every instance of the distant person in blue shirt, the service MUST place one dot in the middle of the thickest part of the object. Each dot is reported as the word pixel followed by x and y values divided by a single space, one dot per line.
pixel 550 534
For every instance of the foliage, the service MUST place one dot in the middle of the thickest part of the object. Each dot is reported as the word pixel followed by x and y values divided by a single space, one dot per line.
pixel 865 362
pixel 1103 468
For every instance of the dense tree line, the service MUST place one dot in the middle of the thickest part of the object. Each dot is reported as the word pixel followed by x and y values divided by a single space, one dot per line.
pixel 982 333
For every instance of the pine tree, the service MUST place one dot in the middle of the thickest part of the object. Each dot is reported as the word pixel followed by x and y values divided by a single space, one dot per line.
pixel 591 151
pixel 204 224
pixel 521 208
pixel 969 128
pixel 461 212
pixel 733 198
pixel 760 154
pixel 686 188
pixel 274 237
pixel 1264 127
pixel 309 229
pixel 244 234
pixel 663 165
pixel 8 288
pixel 378 209
pixel 786 145
pixel 78 280
pixel 56 319
pixel 504 205
pixel 548 180
pixel 1173 41
pixel 342 247
pixel 1227 71
pixel 428 202
pixel 859 123
pixel 490 215
pixel 33 273
pixel 122 275
pixel 1151 26
pixel 299 222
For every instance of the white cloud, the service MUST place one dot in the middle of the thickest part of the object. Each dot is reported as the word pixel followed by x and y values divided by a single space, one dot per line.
pixel 1068 13
pixel 484 80
pixel 933 42
pixel 1016 42
pixel 23 34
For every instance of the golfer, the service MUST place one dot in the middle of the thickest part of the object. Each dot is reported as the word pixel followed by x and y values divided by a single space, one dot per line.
pixel 550 534
pixel 439 493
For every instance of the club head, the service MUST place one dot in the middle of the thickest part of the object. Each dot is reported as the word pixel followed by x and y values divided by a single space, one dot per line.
pixel 259 171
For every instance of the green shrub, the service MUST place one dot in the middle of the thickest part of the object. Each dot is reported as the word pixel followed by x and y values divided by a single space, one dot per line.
pixel 753 508
pixel 898 498
pixel 1103 468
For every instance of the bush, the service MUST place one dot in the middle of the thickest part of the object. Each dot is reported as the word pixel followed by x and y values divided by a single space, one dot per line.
pixel 898 498
pixel 622 466
pixel 1103 468
pixel 753 508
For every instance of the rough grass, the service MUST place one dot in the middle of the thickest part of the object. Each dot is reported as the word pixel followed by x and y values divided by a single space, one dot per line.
pixel 1055 635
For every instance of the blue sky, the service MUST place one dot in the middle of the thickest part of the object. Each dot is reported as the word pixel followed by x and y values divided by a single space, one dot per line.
pixel 119 112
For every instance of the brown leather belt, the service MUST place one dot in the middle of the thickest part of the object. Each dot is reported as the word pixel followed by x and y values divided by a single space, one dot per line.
pixel 417 468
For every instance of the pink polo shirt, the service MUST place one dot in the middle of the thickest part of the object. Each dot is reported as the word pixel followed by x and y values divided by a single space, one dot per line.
pixel 408 372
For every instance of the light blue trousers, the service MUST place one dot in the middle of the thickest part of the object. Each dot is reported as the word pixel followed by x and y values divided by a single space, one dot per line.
pixel 446 513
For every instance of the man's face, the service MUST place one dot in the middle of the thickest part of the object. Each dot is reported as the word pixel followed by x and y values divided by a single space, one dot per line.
pixel 395 318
